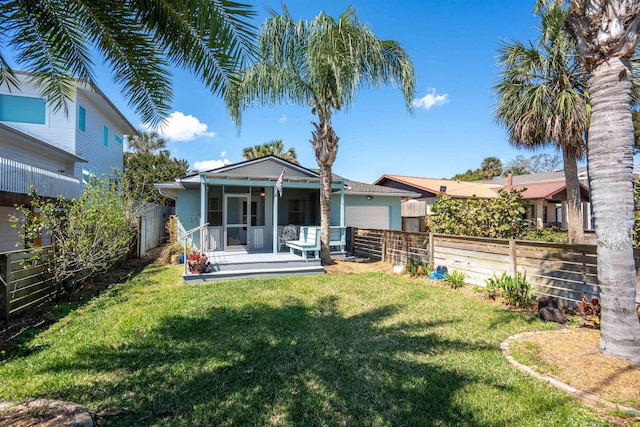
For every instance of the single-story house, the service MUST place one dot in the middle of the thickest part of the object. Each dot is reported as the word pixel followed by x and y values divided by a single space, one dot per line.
pixel 241 207
pixel 545 194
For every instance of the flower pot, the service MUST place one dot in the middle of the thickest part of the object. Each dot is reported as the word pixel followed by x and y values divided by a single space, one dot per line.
pixel 196 268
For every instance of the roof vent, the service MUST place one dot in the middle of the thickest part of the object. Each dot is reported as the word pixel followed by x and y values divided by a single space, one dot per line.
pixel 443 188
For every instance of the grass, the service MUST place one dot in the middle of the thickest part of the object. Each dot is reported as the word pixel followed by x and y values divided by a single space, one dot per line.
pixel 365 349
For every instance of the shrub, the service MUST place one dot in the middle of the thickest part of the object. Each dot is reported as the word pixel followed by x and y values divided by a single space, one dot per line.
pixel 88 235
pixel 417 267
pixel 591 310
pixel 455 279
pixel 515 291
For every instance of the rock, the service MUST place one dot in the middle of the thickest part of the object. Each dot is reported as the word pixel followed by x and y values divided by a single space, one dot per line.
pixel 399 269
pixel 552 314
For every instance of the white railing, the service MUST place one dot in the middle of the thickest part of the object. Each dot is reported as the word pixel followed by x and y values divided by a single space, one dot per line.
pixel 202 245
pixel 16 177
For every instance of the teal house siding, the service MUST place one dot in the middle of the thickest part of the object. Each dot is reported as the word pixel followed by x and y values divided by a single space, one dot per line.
pixel 395 218
pixel 187 206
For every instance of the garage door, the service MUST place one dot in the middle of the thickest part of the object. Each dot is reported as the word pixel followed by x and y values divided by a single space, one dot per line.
pixel 368 217
pixel 8 234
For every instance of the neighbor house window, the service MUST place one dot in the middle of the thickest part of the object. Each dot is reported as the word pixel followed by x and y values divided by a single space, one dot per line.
pixel 87 175
pixel 22 109
pixel 118 139
pixel 105 136
pixel 296 212
pixel 82 119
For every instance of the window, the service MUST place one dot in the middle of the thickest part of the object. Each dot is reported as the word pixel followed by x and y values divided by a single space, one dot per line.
pixel 296 212
pixel 22 109
pixel 214 216
pixel 254 213
pixel 118 139
pixel 87 175
pixel 105 136
pixel 82 119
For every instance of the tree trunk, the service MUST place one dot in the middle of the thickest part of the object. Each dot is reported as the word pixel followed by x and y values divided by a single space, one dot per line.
pixel 610 157
pixel 574 199
pixel 325 144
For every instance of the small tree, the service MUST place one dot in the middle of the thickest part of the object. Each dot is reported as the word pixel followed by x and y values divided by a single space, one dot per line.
pixel 88 235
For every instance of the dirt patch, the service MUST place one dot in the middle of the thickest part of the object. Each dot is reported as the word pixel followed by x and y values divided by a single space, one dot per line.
pixel 45 413
pixel 357 266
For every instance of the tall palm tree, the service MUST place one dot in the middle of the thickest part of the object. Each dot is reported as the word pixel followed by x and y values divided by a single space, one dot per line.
pixel 491 167
pixel 146 142
pixel 274 148
pixel 542 100
pixel 606 33
pixel 52 40
pixel 320 64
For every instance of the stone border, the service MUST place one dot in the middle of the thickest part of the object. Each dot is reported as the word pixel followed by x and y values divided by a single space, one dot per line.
pixel 78 413
pixel 588 398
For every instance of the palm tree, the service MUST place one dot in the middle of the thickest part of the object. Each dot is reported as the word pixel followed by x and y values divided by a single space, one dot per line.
pixel 271 148
pixel 146 142
pixel 542 101
pixel 139 39
pixel 320 64
pixel 606 33
pixel 491 167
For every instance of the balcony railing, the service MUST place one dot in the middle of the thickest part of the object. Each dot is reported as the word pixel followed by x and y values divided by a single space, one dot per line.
pixel 16 177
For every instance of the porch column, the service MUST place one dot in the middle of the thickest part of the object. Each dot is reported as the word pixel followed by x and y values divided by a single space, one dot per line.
pixel 342 209
pixel 540 214
pixel 203 199
pixel 276 243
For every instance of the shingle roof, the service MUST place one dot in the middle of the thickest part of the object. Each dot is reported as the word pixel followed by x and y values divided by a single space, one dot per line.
pixel 355 187
pixel 456 189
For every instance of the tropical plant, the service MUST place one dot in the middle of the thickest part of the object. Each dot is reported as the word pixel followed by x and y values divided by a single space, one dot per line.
pixel 516 291
pixel 143 169
pixel 606 34
pixel 542 100
pixel 139 39
pixel 88 235
pixel 146 142
pixel 591 310
pixel 490 168
pixel 417 267
pixel 455 278
pixel 271 148
pixel 320 64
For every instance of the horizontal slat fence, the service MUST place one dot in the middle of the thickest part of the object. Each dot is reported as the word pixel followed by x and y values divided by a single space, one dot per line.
pixel 554 269
pixel 21 287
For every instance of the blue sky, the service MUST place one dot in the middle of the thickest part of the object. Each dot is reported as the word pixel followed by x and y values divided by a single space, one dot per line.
pixel 453 46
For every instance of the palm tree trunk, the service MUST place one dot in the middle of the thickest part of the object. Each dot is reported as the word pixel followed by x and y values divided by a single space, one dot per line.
pixel 610 156
pixel 574 199
pixel 325 144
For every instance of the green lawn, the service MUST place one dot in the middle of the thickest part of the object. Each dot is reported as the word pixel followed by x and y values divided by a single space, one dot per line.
pixel 321 350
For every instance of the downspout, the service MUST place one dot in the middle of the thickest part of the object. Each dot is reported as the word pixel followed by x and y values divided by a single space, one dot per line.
pixel 203 199
pixel 342 207
pixel 276 243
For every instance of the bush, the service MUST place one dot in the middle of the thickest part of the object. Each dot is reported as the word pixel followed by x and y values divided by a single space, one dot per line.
pixel 417 267
pixel 455 279
pixel 88 235
pixel 515 291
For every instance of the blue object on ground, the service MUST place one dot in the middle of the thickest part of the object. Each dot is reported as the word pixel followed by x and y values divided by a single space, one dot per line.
pixel 432 275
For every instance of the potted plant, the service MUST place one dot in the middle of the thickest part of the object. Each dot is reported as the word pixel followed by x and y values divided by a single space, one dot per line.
pixel 197 262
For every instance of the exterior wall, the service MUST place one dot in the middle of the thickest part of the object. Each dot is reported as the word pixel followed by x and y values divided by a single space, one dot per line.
pixel 89 144
pixel 57 130
pixel 188 210
pixel 9 235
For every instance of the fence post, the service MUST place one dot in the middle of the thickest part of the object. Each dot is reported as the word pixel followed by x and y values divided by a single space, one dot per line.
pixel 432 250
pixel 383 246
pixel 4 268
pixel 513 265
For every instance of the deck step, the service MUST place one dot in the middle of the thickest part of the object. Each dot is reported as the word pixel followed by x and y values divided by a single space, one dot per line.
pixel 253 273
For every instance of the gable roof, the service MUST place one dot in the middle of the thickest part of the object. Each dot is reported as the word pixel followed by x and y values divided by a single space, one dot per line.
pixel 455 189
pixel 361 188
pixel 548 190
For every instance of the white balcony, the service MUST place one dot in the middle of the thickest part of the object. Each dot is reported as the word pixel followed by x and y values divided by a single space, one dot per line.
pixel 16 177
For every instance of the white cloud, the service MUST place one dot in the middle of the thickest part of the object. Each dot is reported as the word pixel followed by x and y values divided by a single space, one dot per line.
pixel 206 165
pixel 283 118
pixel 430 99
pixel 223 154
pixel 179 127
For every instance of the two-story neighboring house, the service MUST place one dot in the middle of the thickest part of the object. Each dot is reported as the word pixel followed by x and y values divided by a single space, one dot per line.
pixel 52 150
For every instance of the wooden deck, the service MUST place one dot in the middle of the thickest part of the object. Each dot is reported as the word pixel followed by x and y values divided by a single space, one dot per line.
pixel 242 264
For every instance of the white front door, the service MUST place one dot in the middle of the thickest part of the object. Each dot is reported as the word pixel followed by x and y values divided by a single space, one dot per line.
pixel 237 211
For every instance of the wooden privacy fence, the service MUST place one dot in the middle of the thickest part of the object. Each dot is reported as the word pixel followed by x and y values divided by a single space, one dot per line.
pixel 554 269
pixel 21 287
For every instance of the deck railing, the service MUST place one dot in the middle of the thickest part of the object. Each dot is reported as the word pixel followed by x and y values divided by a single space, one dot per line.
pixel 16 177
pixel 201 244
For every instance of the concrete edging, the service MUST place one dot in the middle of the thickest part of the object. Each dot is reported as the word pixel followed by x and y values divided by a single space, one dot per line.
pixel 588 398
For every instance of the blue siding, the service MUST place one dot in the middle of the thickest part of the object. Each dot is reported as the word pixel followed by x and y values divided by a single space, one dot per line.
pixel 22 109
pixel 187 206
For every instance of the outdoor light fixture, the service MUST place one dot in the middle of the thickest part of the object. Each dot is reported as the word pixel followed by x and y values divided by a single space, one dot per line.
pixel 262 192
pixel 369 197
